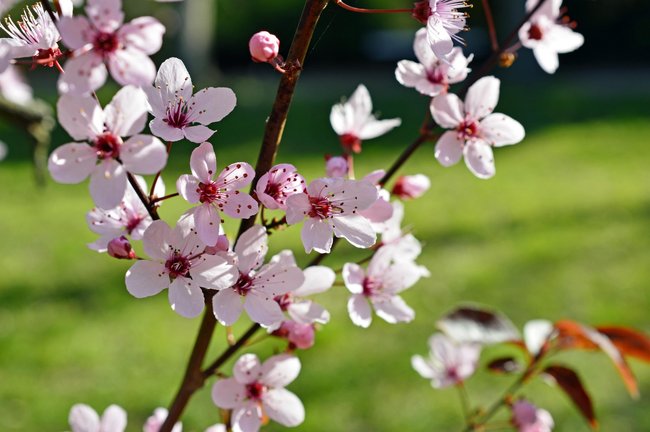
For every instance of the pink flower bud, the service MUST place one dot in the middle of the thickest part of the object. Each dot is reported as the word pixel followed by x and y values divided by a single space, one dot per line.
pixel 336 166
pixel 264 47
pixel 528 418
pixel 299 335
pixel 120 248
pixel 413 186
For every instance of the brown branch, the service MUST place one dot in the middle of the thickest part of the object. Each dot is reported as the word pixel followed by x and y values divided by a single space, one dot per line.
pixel 151 208
pixel 490 23
pixel 232 349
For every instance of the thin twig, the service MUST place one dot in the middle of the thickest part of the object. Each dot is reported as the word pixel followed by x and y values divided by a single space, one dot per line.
pixel 370 11
pixel 490 23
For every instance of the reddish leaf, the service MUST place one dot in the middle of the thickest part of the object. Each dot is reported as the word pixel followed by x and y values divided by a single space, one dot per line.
pixel 569 381
pixel 472 324
pixel 628 341
pixel 504 365
pixel 576 335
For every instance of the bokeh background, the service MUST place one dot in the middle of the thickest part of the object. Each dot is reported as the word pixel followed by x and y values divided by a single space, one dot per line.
pixel 560 232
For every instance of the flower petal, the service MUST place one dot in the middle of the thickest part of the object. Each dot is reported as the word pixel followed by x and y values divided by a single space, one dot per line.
pixel 438 37
pixel 447 110
pixel 298 207
pixel 197 133
pixel 236 176
pixel 228 393
pixel 251 249
pixel 239 205
pixel 76 31
pixel 143 154
pixel 479 159
pixel 146 278
pixel 186 297
pixel 83 74
pixel 214 272
pixel 353 277
pixel 187 186
pixel 499 130
pixel 394 310
pixel 316 234
pixel 280 370
pixel 113 419
pixel 449 149
pixel 482 97
pixel 262 309
pixel 212 104
pixel 284 407
pixel 80 116
pixel 144 33
pixel 203 162
pixel 156 240
pixel 72 163
pixel 108 184
pixel 227 306
pixel 126 114
pixel 247 369
pixel 318 279
pixel 207 220
pixel 173 82
pixel 359 310
pixel 106 15
pixel 131 66
pixel 247 418
pixel 83 418
pixel 161 129
pixel 355 229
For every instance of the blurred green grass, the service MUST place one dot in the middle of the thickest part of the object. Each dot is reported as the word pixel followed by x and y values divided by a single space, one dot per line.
pixel 561 231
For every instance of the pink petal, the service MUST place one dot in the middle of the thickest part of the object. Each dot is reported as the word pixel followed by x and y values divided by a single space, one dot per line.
pixel 316 235
pixel 83 418
pixel 173 81
pixel 72 163
pixel 156 240
pixel 131 66
pixel 449 149
pixel 262 309
pixel 307 312
pixel 184 237
pixel 106 15
pixel 146 278
pixel 212 104
pixel 143 154
pixel 355 229
pixel 499 130
pixel 438 37
pixel 227 306
pixel 422 49
pixel 400 276
pixel 380 211
pixel 247 369
pixel 394 310
pixel 422 366
pixel 447 110
pixel 113 419
pixel 236 176
pixel 107 184
pixel 279 276
pixel 247 418
pixel 208 221
pixel 374 128
pixel 198 133
pixel 318 279
pixel 144 33
pixel 239 205
pixel 298 207
pixel 83 74
pixel 203 162
pixel 482 97
pixel 251 249
pixel 359 310
pixel 76 32
pixel 409 73
pixel 228 393
pixel 80 116
pixel 353 277
pixel 280 370
pixel 187 186
pixel 284 407
pixel 214 272
pixel 350 195
pixel 126 115
pixel 186 297
pixel 479 159
pixel 161 129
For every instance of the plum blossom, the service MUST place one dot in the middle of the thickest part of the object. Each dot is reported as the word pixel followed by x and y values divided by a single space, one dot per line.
pixel 257 285
pixel 317 279
pixel 107 158
pixel 475 128
pixel 275 186
pixel 130 217
pixel 380 286
pixel 176 111
pixel 548 34
pixel 257 390
pixel 449 363
pixel 432 76
pixel 13 86
pixel 381 210
pixel 336 166
pixel 264 46
pixel 156 420
pixel 411 186
pixel 353 120
pixel 444 21
pixel 83 418
pixel 526 417
pixel 178 263
pixel 332 206
pixel 103 40
pixel 215 196
pixel 121 248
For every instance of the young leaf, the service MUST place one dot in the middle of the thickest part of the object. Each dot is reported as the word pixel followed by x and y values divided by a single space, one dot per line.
pixel 472 324
pixel 570 383
pixel 628 341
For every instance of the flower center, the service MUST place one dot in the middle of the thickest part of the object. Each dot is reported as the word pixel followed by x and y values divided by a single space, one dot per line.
pixel 320 207
pixel 47 57
pixel 178 115
pixel 351 143
pixel 132 223
pixel 370 287
pixel 243 284
pixel 535 32
pixel 467 130
pixel 284 300
pixel 422 11
pixel 255 390
pixel 178 265
pixel 108 145
pixel 208 192
pixel 437 76
pixel 105 43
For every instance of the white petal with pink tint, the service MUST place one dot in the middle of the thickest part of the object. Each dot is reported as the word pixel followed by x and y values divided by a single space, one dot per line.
pixel 186 297
pixel 107 184
pixel 214 272
pixel 113 419
pixel 482 97
pixel 307 312
pixel 83 74
pixel 227 306
pixel 126 114
pixel 187 186
pixel 236 176
pixel 197 133
pixel 479 159
pixel 447 110
pixel 359 310
pixel 72 163
pixel 251 249
pixel 144 33
pixel 246 418
pixel 284 407
pixel 280 370
pixel 449 149
pixel 378 128
pixel 318 279
pixel 81 117
pixel 143 154
pixel 161 129
pixel 536 333
pixel 438 37
pixel 355 229
pixel 317 235
pixel 394 310
pixel 207 221
pixel 228 393
pixel 131 66
pixel 499 130
pixel 298 207
pixel 205 109
pixel 247 369
pixel 172 79
pixel 353 276
pixel 156 240
pixel 146 278
pixel 76 32
pixel 263 310
pixel 106 15
pixel 203 162
pixel 83 418
pixel 240 206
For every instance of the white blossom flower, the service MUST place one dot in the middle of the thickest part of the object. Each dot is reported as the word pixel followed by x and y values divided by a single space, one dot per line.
pixel 444 20
pixel 528 418
pixel 83 418
pixel 449 363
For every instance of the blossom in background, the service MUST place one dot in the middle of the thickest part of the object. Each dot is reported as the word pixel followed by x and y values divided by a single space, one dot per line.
pixel 448 363
pixel 411 186
pixel 83 418
pixel 257 390
pixel 353 120
pixel 103 40
pixel 432 76
pixel 176 110
pixel 279 183
pixel 336 166
pixel 475 128
pixel 257 285
pixel 14 87
pixel 263 47
pixel 3 150
pixel 444 20
pixel 536 334
pixel 156 420
pixel 403 246
pixel 526 417
pixel 381 210
pixel 332 206
pixel 548 35
pixel 107 158
pixel 379 285
pixel 178 263
pixel 215 196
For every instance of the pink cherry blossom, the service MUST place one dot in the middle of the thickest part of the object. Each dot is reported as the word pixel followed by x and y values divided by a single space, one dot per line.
pixel 257 285
pixel 274 187
pixel 353 120
pixel 449 363
pixel 178 263
pixel 317 279
pixel 156 420
pixel 13 86
pixel 526 417
pixel 103 40
pixel 121 248
pixel 332 206
pixel 176 111
pixel 381 210
pixel 257 390
pixel 379 286
pixel 475 128
pixel 411 186
pixel 336 166
pixel 432 75
pixel 83 418
pixel 548 35
pixel 130 217
pixel 299 335
pixel 444 20
pixel 107 158
pixel 264 46
pixel 215 196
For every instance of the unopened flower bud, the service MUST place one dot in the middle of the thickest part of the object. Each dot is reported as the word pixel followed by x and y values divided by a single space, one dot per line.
pixel 264 47
pixel 412 186
pixel 336 166
pixel 299 335
pixel 120 248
